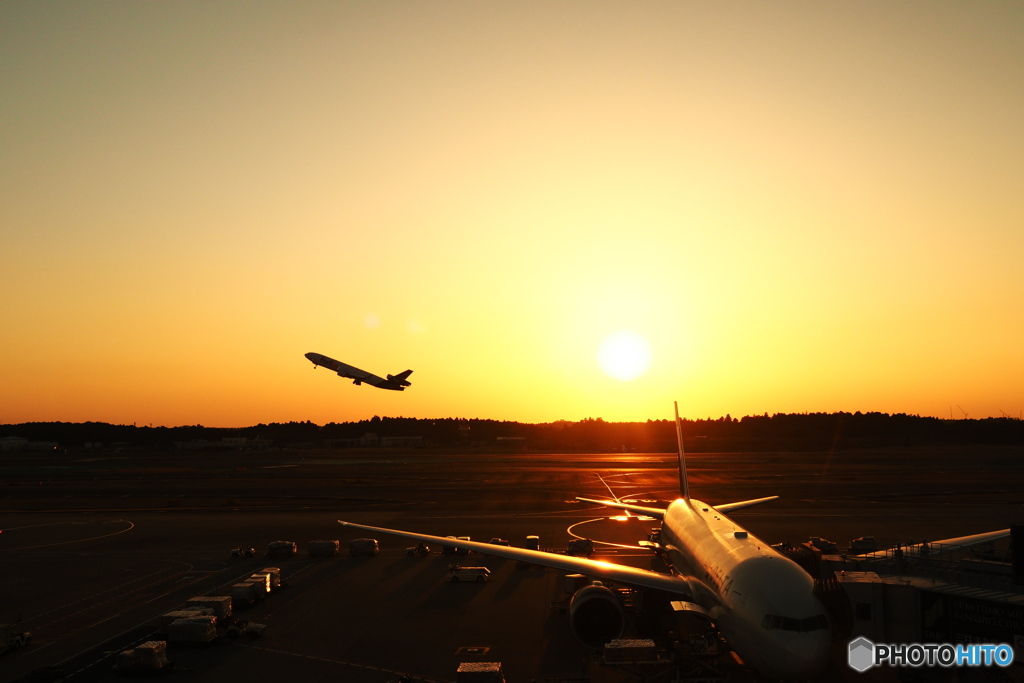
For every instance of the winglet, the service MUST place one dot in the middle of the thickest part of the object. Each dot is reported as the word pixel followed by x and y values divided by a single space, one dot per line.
pixel 684 487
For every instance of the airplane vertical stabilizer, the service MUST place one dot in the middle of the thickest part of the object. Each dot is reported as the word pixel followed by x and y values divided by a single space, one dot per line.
pixel 684 486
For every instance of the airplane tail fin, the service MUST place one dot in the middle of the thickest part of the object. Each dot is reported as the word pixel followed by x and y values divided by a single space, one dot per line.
pixel 401 378
pixel 684 487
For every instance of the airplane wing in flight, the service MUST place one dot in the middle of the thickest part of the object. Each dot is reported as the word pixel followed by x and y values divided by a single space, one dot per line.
pixel 578 565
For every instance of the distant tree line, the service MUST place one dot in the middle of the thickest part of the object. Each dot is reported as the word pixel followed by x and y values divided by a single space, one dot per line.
pixel 779 432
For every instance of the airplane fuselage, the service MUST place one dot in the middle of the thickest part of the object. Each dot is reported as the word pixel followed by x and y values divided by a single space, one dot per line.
pixel 358 377
pixel 762 602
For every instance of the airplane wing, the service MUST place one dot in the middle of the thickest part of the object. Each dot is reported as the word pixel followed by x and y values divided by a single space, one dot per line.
pixel 578 565
pixel 352 372
pixel 945 545
pixel 372 379
pixel 729 507
pixel 658 513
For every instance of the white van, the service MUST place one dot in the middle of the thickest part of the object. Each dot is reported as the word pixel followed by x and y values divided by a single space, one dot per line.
pixel 470 574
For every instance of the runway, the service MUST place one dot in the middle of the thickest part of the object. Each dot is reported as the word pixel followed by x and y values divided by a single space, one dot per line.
pixel 94 549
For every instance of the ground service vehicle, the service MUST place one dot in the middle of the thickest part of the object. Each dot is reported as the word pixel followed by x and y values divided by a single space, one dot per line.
pixel 276 583
pixel 170 617
pixel 580 547
pixel 479 672
pixel 149 657
pixel 282 549
pixel 16 640
pixel 193 630
pixel 243 594
pixel 823 544
pixel 363 547
pixel 864 544
pixel 219 605
pixel 421 549
pixel 478 574
pixel 324 548
pixel 240 627
pixel 263 584
pixel 243 551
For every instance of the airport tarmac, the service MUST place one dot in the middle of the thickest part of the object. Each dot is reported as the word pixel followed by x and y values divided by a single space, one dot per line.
pixel 96 546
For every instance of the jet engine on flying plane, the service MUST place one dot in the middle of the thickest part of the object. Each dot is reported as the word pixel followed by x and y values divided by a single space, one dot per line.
pixel 596 615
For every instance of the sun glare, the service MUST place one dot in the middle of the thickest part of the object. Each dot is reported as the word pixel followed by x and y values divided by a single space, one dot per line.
pixel 624 355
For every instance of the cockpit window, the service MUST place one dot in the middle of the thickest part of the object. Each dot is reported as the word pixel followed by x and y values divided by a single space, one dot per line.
pixel 815 623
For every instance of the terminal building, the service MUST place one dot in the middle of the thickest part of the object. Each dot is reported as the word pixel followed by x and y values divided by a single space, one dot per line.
pixel 925 593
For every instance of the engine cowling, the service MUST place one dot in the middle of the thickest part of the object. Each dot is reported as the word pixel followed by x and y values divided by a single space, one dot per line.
pixel 596 615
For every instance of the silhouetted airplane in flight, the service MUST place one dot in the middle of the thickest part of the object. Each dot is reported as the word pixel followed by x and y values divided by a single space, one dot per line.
pixel 394 382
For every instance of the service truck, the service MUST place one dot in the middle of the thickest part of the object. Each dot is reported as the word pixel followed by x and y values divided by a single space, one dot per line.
pixel 282 549
pixel 193 630
pixel 243 594
pixel 324 548
pixel 864 544
pixel 478 574
pixel 421 549
pixel 262 581
pixel 147 658
pixel 479 672
pixel 169 618
pixel 580 547
pixel 275 578
pixel 363 547
pixel 220 605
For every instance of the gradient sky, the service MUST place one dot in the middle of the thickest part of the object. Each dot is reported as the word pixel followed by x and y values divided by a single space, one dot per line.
pixel 801 207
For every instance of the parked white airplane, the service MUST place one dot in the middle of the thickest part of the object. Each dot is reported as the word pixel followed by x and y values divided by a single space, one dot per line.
pixel 394 382
pixel 762 602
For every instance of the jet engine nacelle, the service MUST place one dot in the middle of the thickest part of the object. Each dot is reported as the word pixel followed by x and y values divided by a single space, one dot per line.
pixel 596 615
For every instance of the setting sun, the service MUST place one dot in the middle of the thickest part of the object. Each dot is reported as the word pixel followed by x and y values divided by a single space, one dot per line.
pixel 624 355
pixel 749 208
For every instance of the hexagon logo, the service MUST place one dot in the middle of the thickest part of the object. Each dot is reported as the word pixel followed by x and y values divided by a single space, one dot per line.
pixel 862 654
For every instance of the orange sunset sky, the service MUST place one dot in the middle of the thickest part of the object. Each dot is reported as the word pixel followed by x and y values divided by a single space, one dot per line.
pixel 787 206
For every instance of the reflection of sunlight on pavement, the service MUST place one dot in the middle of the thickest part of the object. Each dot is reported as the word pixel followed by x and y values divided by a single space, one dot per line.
pixel 614 531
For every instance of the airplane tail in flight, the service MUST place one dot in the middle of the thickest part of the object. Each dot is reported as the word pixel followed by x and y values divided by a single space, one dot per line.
pixel 401 378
